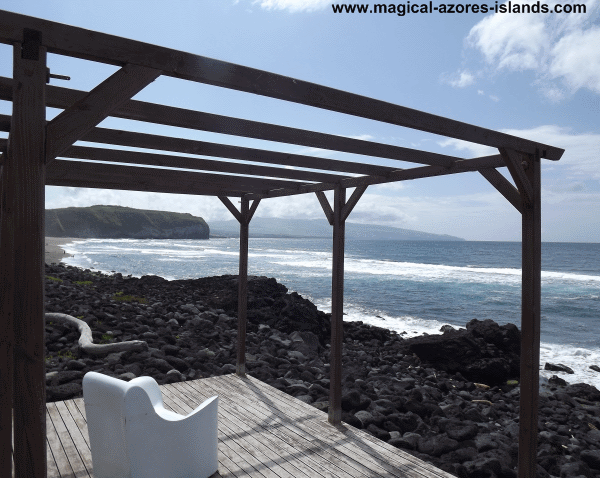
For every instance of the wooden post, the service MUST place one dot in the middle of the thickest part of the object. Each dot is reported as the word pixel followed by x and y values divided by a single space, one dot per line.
pixel 243 289
pixel 337 309
pixel 23 232
pixel 6 328
pixel 530 323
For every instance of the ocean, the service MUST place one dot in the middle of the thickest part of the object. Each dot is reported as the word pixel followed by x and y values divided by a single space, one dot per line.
pixel 412 287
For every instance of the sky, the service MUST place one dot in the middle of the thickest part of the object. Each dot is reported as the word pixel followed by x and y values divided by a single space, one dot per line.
pixel 536 76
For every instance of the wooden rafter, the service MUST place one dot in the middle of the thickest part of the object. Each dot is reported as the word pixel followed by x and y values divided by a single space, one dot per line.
pixel 58 97
pixel 140 185
pixel 94 107
pixel 463 166
pixel 200 164
pixel 101 47
pixel 189 146
pixel 74 171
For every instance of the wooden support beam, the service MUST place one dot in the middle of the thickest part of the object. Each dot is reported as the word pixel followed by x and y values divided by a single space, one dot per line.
pixel 22 259
pixel 59 97
pixel 326 206
pixel 530 324
pixel 337 309
pixel 514 164
pixel 189 146
pixel 201 164
pixel 86 113
pixel 6 323
pixel 232 209
pixel 134 184
pixel 349 206
pixel 180 145
pixel 243 289
pixel 84 170
pixel 465 165
pixel 504 187
pixel 81 43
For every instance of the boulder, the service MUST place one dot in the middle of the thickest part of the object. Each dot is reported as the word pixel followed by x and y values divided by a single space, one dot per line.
pixel 558 367
pixel 484 352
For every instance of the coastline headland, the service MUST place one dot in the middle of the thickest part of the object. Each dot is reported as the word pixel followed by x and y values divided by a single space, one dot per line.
pixel 451 399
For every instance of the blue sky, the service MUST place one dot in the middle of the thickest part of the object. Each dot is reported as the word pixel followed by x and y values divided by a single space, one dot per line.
pixel 531 75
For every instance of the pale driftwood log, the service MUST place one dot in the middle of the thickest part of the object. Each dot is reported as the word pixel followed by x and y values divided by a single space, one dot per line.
pixel 85 341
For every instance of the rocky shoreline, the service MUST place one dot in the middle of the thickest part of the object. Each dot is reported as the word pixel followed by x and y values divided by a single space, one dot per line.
pixel 450 399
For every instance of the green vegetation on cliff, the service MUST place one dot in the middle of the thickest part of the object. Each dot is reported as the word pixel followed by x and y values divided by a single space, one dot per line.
pixel 123 222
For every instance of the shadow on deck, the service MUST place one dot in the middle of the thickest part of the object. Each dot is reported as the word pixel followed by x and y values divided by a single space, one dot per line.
pixel 262 433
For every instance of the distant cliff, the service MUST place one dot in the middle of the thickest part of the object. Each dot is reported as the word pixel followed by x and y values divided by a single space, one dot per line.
pixel 274 227
pixel 114 222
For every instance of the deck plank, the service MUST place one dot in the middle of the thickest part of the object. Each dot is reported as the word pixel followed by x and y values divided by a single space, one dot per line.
pixel 76 436
pixel 79 421
pixel 360 439
pixel 286 431
pixel 330 449
pixel 243 462
pixel 63 467
pixel 263 433
pixel 250 432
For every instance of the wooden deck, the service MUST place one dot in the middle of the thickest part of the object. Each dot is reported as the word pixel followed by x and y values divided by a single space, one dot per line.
pixel 262 433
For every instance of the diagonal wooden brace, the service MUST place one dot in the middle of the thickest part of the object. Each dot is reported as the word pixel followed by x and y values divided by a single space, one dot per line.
pixel 242 218
pixel 517 171
pixel 237 214
pixel 252 210
pixel 85 114
pixel 356 195
pixel 504 187
pixel 326 206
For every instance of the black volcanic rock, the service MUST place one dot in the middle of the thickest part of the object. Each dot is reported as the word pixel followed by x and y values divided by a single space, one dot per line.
pixel 483 352
pixel 190 326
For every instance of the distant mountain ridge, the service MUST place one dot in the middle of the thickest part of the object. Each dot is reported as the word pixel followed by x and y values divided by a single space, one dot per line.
pixel 112 222
pixel 275 227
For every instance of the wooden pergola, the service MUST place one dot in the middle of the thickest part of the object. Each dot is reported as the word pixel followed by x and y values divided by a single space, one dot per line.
pixel 29 163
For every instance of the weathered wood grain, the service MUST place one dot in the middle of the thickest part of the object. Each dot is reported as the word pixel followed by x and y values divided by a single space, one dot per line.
pixel 262 433
pixel 24 174
pixel 94 107
pixel 82 43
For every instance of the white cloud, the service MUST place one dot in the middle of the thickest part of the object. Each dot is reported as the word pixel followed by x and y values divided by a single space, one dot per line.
pixel 580 161
pixel 475 150
pixel 576 59
pixel 293 6
pixel 364 137
pixel 512 41
pixel 480 92
pixel 494 98
pixel 559 47
pixel 463 79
